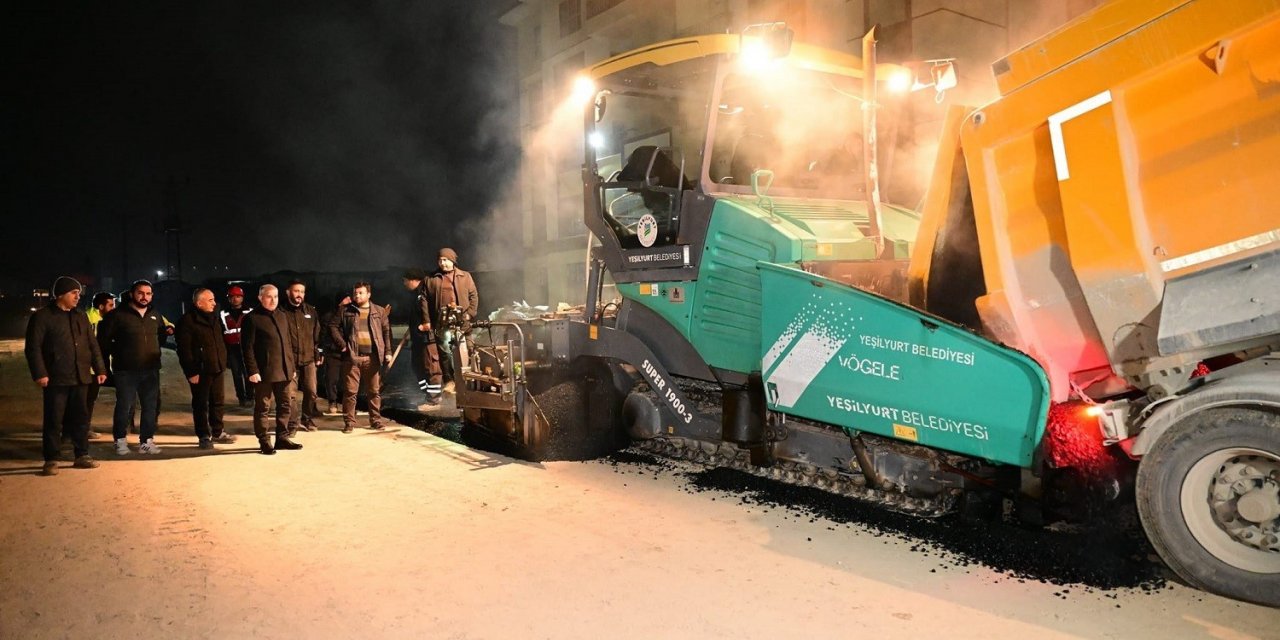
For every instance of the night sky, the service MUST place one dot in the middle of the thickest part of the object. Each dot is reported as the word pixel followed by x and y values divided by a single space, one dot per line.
pixel 309 136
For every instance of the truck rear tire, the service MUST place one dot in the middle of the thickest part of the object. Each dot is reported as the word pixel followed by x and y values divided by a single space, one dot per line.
pixel 1207 496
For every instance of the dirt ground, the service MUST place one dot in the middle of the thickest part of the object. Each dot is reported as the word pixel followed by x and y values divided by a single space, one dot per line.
pixel 403 534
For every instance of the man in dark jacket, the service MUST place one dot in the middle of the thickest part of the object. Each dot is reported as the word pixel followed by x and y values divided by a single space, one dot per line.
pixel 304 327
pixel 128 337
pixel 363 334
pixel 448 288
pixel 424 346
pixel 269 361
pixel 232 317
pixel 203 355
pixel 64 359
pixel 103 303
pixel 333 383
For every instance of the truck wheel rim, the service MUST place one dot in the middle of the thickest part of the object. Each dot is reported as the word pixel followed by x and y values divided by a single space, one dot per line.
pixel 1211 495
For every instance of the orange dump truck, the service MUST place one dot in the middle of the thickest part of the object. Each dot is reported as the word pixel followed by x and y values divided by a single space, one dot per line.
pixel 1115 214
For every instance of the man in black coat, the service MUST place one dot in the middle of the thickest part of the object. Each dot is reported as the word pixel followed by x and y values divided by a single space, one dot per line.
pixel 128 338
pixel 269 361
pixel 304 325
pixel 202 352
pixel 64 359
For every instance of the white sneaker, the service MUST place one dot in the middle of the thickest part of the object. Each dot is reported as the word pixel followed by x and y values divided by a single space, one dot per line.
pixel 122 447
pixel 149 446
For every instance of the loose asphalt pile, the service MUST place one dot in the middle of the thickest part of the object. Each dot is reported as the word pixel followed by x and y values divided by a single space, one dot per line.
pixel 1089 559
pixel 1084 559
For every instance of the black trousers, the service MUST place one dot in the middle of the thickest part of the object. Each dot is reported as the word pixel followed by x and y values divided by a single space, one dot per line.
pixel 262 394
pixel 423 353
pixel 65 414
pixel 333 383
pixel 206 405
pixel 91 399
pixel 235 363
pixel 302 396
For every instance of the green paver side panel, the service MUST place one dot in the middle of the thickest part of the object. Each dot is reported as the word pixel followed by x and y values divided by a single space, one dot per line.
pixel 839 355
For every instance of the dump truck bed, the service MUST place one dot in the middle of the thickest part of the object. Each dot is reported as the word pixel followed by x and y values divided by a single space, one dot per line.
pixel 1127 174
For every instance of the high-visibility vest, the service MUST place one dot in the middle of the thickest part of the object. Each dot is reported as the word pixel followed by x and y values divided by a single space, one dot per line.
pixel 231 319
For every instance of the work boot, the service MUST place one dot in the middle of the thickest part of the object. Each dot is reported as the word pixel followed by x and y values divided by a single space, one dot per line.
pixel 265 448
pixel 50 468
pixel 85 462
pixel 283 443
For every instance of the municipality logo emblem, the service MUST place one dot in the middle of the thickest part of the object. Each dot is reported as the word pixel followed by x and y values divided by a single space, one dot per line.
pixel 647 230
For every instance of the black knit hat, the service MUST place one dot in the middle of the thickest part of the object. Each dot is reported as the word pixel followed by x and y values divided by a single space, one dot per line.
pixel 414 274
pixel 65 284
pixel 450 254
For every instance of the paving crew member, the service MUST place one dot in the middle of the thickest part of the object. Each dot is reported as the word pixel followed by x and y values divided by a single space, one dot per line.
pixel 129 340
pixel 363 334
pixel 103 303
pixel 232 317
pixel 424 346
pixel 304 327
pixel 203 355
pixel 448 287
pixel 333 383
pixel 268 358
pixel 64 359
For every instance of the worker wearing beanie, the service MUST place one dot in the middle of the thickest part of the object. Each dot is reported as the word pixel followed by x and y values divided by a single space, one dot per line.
pixel 64 359
pixel 448 287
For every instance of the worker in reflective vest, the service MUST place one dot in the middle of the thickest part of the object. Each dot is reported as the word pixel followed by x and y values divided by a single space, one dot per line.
pixel 232 316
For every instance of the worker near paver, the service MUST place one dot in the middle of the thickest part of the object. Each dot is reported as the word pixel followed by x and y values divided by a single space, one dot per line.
pixel 232 317
pixel 333 383
pixel 203 356
pixel 64 359
pixel 103 303
pixel 129 340
pixel 423 344
pixel 448 288
pixel 304 329
pixel 269 361
pixel 363 334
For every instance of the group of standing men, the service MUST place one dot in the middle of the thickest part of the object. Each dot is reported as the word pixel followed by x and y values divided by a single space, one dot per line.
pixel 272 351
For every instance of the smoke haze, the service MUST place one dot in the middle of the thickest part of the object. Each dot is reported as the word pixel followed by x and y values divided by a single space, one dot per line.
pixel 332 136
